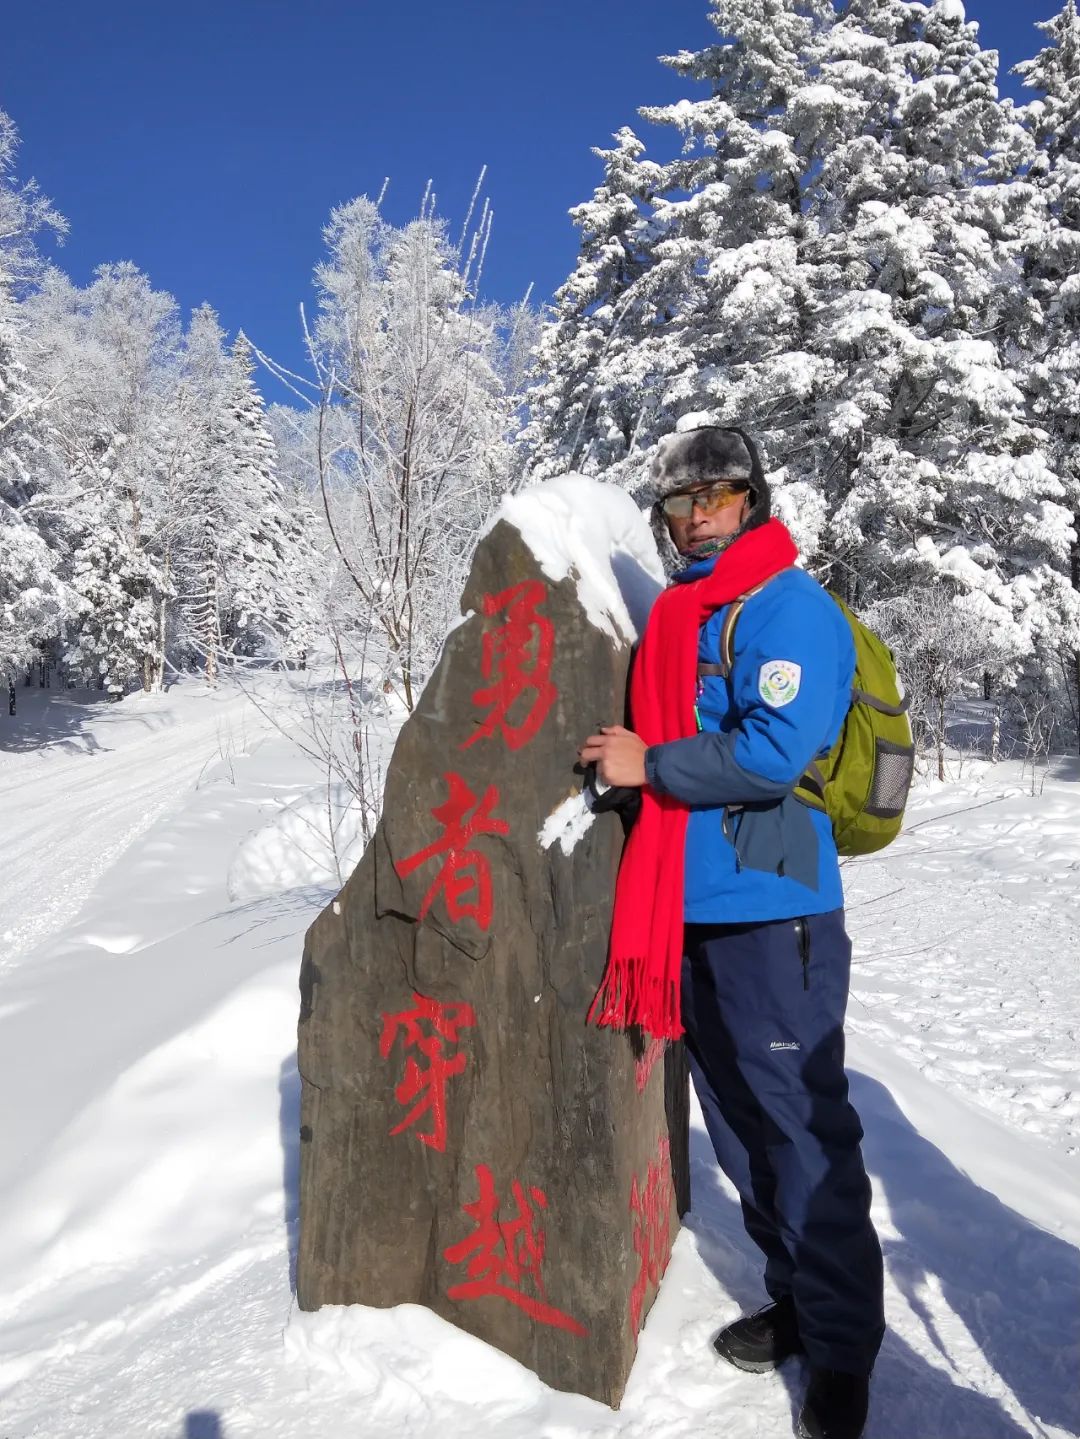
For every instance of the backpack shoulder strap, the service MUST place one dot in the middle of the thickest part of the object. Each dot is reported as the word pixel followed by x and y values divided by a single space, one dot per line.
pixel 727 629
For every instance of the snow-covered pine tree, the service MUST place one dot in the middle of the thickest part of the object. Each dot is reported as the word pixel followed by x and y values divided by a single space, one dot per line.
pixel 272 562
pixel 692 291
pixel 831 262
pixel 587 403
pixel 109 356
pixel 111 634
pixel 1049 361
pixel 935 471
pixel 202 500
pixel 33 596
pixel 247 563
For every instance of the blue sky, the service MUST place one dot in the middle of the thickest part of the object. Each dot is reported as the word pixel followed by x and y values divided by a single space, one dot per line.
pixel 208 140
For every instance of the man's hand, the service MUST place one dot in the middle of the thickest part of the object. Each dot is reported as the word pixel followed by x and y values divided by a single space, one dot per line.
pixel 618 754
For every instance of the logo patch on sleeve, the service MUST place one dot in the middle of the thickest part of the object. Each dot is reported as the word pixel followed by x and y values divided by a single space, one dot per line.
pixel 778 682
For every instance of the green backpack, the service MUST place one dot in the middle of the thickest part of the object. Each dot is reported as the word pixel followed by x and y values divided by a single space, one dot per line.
pixel 862 783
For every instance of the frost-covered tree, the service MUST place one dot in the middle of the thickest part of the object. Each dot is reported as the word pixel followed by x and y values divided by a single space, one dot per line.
pixel 942 654
pixel 295 435
pixel 33 596
pixel 111 633
pixel 406 437
pixel 141 517
pixel 270 550
pixel 414 416
pixel 110 351
pixel 588 403
pixel 935 466
pixel 203 505
pixel 109 354
pixel 247 564
pixel 693 287
pixel 1048 363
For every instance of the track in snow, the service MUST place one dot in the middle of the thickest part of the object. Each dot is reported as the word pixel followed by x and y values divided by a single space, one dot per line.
pixel 72 808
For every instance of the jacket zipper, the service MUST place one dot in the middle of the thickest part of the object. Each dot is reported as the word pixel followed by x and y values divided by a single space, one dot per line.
pixel 802 938
pixel 730 821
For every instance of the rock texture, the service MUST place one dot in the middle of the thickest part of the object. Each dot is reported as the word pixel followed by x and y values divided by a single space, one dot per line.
pixel 468 1142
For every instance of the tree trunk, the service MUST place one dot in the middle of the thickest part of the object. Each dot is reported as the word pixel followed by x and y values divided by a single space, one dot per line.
pixel 212 618
pixel 211 638
pixel 157 681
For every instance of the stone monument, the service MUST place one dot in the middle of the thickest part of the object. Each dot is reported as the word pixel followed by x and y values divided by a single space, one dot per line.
pixel 468 1142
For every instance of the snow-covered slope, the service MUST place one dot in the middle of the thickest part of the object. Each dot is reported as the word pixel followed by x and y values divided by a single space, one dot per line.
pixel 148 1174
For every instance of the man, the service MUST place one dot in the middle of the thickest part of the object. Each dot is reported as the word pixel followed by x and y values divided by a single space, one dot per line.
pixel 755 961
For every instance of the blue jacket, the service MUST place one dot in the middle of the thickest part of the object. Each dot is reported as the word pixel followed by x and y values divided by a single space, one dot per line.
pixel 770 857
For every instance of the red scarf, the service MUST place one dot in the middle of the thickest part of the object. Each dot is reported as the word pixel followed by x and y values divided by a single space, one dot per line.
pixel 641 983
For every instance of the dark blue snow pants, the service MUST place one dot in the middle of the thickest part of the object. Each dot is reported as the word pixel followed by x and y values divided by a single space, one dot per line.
pixel 765 1037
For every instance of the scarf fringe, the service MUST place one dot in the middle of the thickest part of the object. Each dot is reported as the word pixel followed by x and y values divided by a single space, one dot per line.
pixel 628 998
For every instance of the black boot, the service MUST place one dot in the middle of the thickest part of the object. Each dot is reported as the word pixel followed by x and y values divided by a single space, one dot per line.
pixel 759 1342
pixel 835 1406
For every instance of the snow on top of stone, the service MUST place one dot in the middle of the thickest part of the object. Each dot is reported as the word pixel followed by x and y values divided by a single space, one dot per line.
pixel 594 532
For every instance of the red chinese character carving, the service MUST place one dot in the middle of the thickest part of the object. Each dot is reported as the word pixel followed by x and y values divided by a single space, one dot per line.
pixel 506 661
pixel 463 869
pixel 651 1208
pixel 502 1255
pixel 427 1086
pixel 644 1066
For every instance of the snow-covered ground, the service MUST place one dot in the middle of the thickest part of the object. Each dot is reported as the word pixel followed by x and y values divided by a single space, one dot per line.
pixel 159 862
pixel 968 933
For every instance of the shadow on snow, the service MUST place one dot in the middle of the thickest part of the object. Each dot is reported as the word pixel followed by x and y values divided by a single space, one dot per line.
pixel 992 1290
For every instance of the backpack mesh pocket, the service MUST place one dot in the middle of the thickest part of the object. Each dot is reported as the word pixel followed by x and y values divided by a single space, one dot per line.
pixel 894 766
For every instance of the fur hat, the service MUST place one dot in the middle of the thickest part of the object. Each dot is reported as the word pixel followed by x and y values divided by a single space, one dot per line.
pixel 691 457
pixel 708 453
